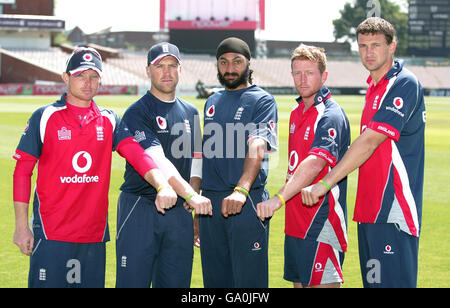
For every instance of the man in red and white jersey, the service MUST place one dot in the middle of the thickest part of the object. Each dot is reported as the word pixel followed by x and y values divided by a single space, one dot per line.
pixel 72 141
pixel 390 156
pixel 319 135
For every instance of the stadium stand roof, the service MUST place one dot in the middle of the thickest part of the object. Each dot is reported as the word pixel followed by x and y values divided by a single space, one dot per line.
pixel 32 22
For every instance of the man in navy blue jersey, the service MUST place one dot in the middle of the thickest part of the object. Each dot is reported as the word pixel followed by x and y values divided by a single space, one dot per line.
pixel 155 247
pixel 239 130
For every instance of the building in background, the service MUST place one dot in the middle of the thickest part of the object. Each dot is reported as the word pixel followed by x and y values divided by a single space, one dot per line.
pixel 132 40
pixel 198 26
pixel 28 24
pixel 429 28
pixel 31 63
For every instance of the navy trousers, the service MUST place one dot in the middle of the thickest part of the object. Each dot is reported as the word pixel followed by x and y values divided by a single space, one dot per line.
pixel 234 250
pixel 153 249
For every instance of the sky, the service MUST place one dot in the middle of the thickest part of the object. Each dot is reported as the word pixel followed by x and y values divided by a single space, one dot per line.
pixel 292 20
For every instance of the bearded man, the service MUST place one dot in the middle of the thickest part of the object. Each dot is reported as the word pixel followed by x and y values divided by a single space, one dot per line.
pixel 239 132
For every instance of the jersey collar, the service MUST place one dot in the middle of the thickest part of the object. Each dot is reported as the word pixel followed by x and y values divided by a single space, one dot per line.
pixel 393 71
pixel 152 97
pixel 91 115
pixel 396 68
pixel 320 97
pixel 94 107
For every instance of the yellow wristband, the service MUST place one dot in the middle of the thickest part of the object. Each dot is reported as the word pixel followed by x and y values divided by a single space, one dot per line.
pixel 325 184
pixel 242 190
pixel 281 198
pixel 159 188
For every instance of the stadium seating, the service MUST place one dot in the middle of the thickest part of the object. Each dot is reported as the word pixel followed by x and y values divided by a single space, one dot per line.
pixel 55 59
pixel 129 69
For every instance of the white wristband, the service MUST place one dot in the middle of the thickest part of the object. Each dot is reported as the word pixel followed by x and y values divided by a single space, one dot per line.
pixel 196 167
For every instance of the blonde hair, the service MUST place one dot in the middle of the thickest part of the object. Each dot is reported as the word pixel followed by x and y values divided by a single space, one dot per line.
pixel 311 53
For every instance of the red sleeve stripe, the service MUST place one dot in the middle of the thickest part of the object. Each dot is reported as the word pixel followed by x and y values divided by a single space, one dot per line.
pixel 385 129
pixel 325 155
pixel 131 150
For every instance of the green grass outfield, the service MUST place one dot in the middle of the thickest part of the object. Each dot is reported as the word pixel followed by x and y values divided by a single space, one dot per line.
pixel 434 256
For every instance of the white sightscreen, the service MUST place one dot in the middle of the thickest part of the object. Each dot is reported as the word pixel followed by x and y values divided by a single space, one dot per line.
pixel 234 10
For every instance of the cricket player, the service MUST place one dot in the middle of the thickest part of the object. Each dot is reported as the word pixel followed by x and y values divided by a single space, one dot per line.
pixel 390 156
pixel 72 140
pixel 156 248
pixel 239 131
pixel 319 135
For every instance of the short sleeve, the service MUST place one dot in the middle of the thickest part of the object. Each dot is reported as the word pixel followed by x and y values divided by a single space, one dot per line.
pixel 331 133
pixel 396 108
pixel 265 119
pixel 31 142
pixel 120 132
pixel 140 128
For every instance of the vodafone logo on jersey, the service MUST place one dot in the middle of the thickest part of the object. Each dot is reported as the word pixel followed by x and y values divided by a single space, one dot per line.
pixel 398 105
pixel 388 250
pixel 162 123
pixel 76 165
pixel 293 161
pixel 332 133
pixel 81 163
pixel 398 102
pixel 211 111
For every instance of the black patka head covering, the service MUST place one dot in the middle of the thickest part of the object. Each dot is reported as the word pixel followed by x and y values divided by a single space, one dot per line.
pixel 233 44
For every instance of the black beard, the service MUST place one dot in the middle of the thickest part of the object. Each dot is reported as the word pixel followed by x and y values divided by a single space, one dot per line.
pixel 242 79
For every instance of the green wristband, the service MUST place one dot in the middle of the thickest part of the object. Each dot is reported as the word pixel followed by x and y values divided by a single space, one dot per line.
pixel 242 190
pixel 325 184
pixel 189 198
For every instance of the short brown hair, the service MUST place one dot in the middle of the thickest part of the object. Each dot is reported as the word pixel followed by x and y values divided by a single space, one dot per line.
pixel 311 53
pixel 377 25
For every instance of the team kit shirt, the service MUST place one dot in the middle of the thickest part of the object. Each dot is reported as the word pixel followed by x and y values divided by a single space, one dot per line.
pixel 390 184
pixel 231 119
pixel 171 125
pixel 323 130
pixel 74 167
